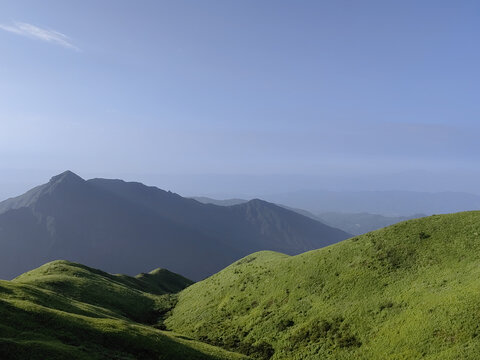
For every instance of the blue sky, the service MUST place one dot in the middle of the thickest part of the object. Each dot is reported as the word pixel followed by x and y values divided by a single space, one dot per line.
pixel 317 89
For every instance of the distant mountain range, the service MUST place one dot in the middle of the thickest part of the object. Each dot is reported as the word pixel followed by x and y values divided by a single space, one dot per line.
pixel 231 202
pixel 387 203
pixel 128 227
pixel 352 223
pixel 361 223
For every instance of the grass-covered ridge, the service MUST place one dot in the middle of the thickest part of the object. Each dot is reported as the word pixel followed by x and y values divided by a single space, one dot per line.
pixel 409 291
pixel 135 298
pixel 64 310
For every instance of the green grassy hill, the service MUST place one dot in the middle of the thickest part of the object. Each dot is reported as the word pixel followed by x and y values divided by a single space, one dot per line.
pixel 64 310
pixel 134 298
pixel 409 291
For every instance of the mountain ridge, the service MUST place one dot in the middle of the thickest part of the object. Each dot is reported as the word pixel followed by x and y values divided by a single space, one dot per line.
pixel 124 227
pixel 65 311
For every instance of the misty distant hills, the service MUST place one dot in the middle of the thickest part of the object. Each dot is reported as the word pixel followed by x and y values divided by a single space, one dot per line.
pixel 388 203
pixel 230 202
pixel 126 227
pixel 352 223
pixel 361 223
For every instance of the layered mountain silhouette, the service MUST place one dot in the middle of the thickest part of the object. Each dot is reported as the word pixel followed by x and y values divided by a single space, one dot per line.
pixel 352 223
pixel 126 227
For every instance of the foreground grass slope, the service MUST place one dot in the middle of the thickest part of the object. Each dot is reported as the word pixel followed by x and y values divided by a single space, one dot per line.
pixel 409 291
pixel 69 311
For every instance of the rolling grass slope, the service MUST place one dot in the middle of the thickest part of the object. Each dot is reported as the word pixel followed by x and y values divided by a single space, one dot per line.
pixel 408 291
pixel 135 298
pixel 64 310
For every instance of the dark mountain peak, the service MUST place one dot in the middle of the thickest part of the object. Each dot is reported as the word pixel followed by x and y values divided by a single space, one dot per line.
pixel 65 181
pixel 66 177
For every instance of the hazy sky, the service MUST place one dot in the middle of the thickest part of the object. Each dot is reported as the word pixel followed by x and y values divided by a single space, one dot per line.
pixel 309 89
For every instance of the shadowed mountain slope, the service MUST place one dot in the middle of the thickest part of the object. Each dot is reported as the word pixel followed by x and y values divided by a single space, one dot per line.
pixel 230 202
pixel 127 227
pixel 352 223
